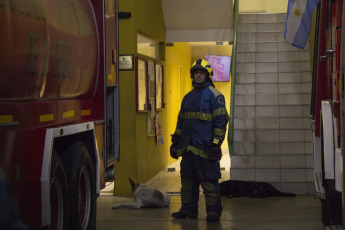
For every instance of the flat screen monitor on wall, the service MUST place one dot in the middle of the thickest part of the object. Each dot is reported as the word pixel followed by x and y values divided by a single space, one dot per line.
pixel 220 66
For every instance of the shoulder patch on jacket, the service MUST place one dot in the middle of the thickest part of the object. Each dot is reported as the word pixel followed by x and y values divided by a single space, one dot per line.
pixel 221 100
pixel 215 92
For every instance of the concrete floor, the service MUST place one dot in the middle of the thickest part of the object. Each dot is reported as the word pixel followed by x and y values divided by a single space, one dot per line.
pixel 296 213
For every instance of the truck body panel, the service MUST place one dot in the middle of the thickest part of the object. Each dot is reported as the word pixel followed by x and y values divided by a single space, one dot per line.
pixel 57 66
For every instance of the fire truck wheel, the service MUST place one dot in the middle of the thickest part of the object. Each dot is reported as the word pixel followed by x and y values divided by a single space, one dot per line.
pixel 58 194
pixel 331 206
pixel 81 183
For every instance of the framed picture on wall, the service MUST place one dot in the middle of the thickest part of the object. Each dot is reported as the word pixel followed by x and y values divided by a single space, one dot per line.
pixel 159 74
pixel 142 86
pixel 126 62
pixel 151 79
pixel 151 128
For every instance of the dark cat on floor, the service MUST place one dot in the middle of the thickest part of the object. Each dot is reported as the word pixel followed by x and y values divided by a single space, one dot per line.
pixel 252 189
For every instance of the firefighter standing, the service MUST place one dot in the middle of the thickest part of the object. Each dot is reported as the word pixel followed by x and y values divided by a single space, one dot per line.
pixel 199 133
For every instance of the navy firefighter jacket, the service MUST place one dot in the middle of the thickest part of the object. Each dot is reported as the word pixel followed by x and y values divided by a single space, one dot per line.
pixel 202 118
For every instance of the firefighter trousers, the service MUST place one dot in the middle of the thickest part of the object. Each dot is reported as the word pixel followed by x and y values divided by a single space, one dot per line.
pixel 196 171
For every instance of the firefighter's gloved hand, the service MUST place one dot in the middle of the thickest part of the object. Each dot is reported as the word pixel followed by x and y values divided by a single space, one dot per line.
pixel 173 151
pixel 175 140
pixel 216 151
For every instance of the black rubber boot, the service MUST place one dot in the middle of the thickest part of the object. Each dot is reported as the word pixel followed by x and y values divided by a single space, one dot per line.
pixel 212 217
pixel 182 215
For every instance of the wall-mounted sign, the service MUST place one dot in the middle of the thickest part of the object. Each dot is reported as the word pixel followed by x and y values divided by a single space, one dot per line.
pixel 126 62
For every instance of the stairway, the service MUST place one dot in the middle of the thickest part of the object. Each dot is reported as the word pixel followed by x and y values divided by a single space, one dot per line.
pixel 273 134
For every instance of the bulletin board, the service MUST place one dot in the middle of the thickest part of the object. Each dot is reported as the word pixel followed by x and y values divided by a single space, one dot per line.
pixel 141 86
pixel 150 91
pixel 159 79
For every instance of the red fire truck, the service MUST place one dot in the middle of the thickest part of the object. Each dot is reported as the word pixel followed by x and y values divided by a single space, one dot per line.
pixel 328 110
pixel 59 117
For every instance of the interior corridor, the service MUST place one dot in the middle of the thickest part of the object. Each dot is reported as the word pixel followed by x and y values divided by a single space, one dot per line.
pixel 296 213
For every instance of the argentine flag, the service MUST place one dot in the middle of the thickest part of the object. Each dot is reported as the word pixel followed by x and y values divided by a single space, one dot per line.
pixel 298 21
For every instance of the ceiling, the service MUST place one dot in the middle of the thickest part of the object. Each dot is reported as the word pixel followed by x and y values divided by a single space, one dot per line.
pixel 198 20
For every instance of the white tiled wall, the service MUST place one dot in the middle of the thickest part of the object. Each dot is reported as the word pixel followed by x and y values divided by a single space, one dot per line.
pixel 273 138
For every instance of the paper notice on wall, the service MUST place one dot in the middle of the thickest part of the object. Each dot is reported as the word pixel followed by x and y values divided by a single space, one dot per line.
pixel 159 134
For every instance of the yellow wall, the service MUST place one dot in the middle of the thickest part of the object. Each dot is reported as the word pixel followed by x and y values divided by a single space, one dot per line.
pixel 140 157
pixel 178 60
pixel 263 6
pixel 276 6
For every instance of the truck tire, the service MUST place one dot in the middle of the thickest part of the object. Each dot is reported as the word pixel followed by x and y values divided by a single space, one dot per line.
pixel 58 195
pixel 81 183
pixel 331 206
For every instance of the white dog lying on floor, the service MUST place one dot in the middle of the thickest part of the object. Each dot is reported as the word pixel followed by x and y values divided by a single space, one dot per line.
pixel 145 196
